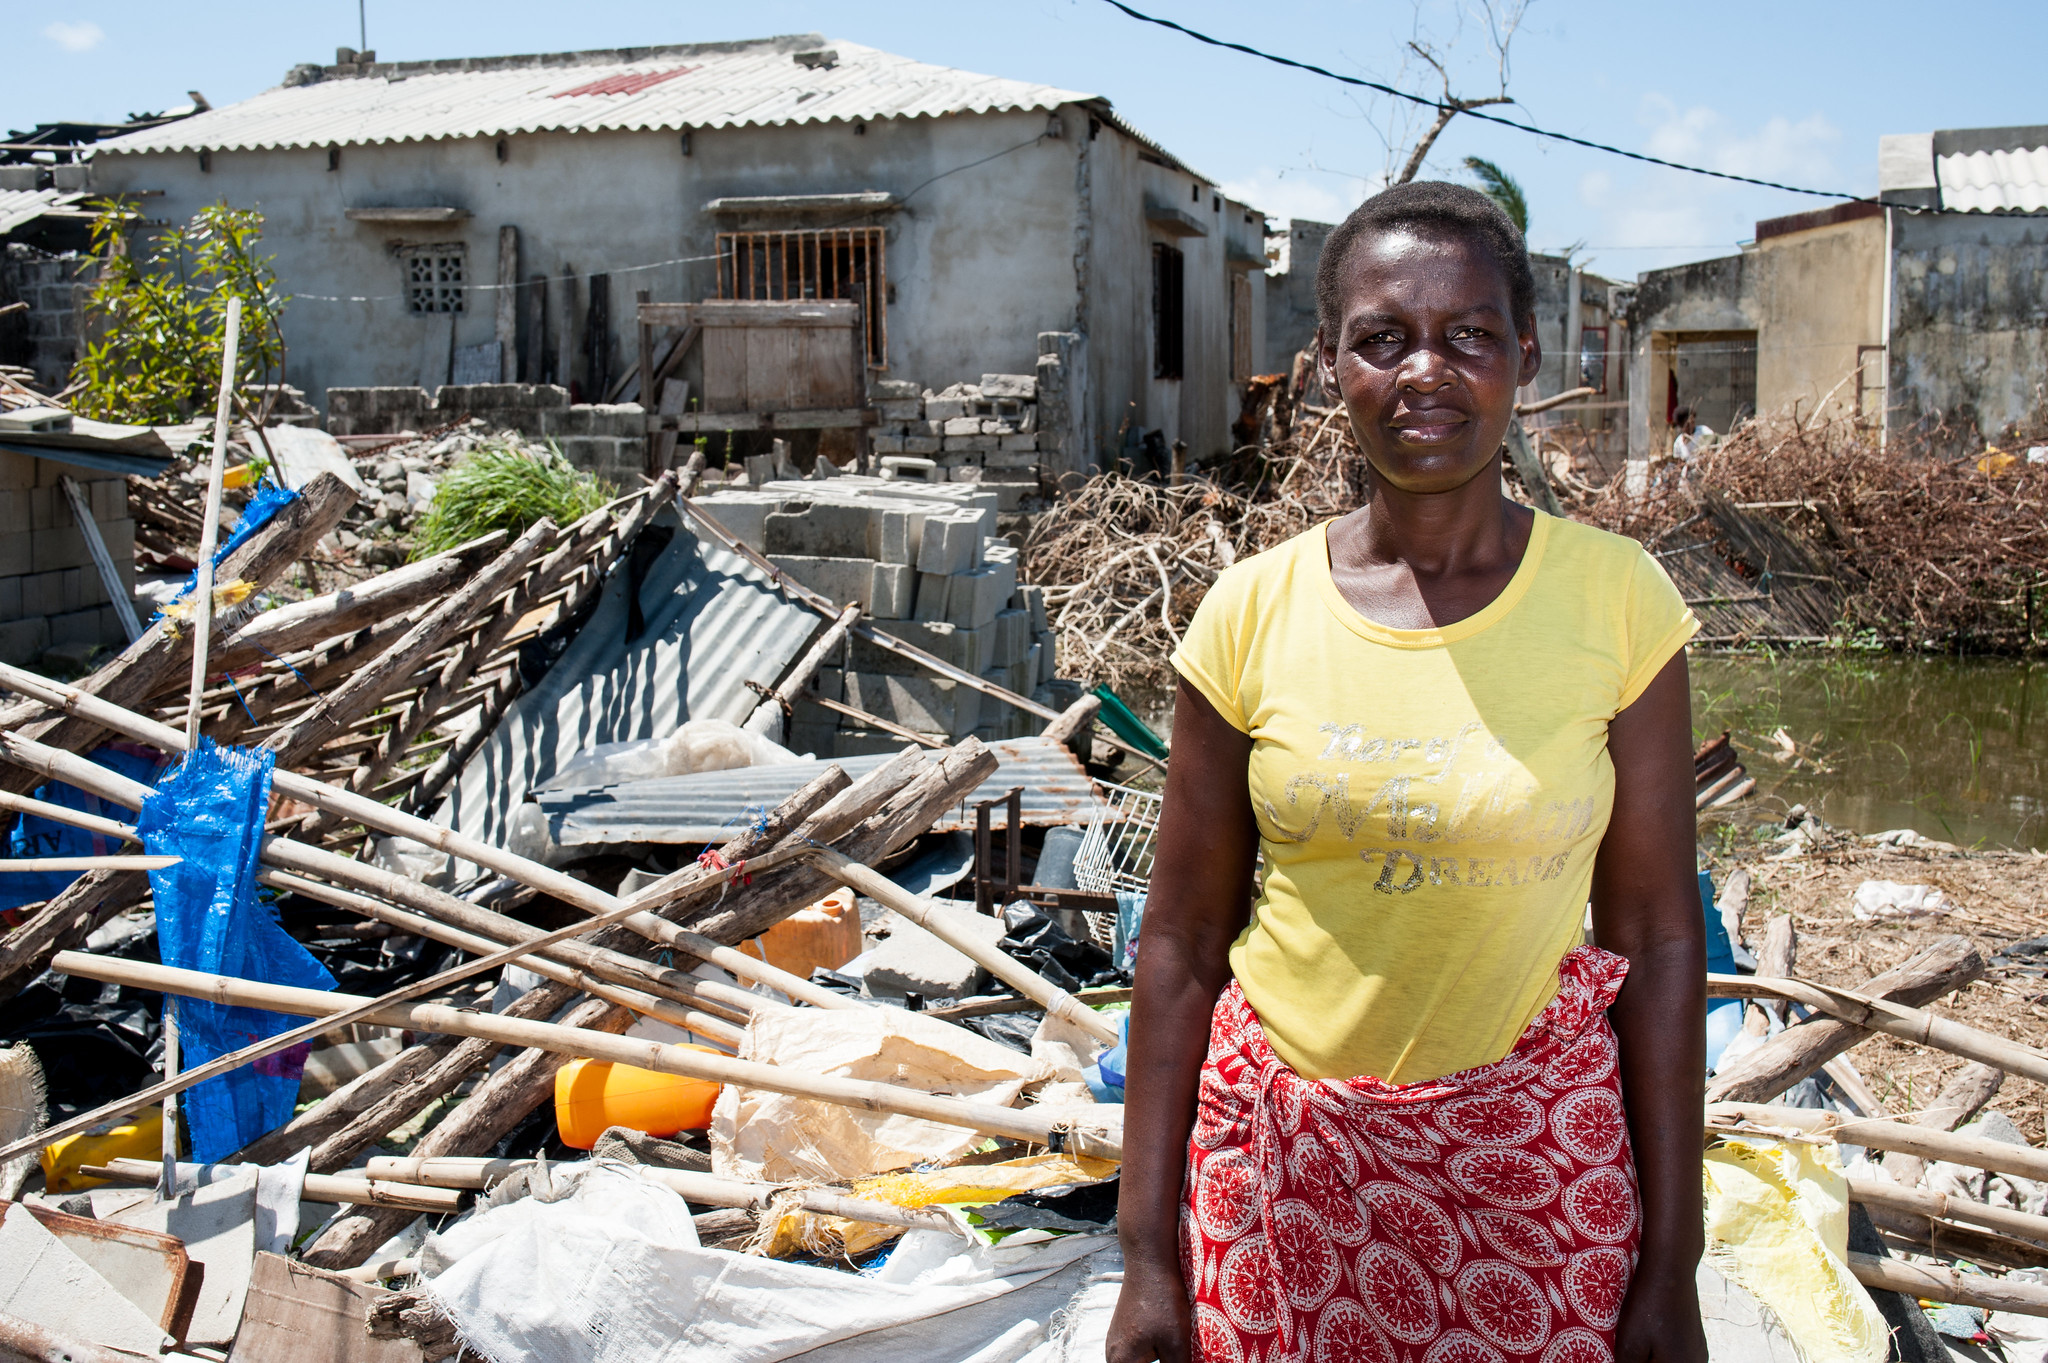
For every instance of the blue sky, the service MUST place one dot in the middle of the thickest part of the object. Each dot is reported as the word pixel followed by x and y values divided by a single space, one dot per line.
pixel 1797 92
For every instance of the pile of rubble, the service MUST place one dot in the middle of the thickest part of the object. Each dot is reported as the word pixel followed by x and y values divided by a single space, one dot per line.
pixel 482 1007
pixel 983 433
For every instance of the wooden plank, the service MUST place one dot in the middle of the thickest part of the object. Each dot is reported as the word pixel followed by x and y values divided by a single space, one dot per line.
pixel 832 312
pixel 714 420
pixel 725 369
pixel 102 561
pixel 296 1313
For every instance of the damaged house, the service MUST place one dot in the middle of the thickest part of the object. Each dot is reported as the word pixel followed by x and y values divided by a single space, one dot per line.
pixel 1923 309
pixel 492 220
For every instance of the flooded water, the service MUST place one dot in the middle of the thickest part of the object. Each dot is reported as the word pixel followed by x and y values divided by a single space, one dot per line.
pixel 1956 749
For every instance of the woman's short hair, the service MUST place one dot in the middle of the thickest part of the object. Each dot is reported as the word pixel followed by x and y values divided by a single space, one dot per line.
pixel 1432 207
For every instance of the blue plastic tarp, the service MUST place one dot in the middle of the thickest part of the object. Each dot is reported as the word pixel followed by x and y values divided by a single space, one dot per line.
pixel 210 811
pixel 264 503
pixel 35 836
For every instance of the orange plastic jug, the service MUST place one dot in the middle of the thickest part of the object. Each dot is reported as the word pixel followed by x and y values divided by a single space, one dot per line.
pixel 591 1095
pixel 825 934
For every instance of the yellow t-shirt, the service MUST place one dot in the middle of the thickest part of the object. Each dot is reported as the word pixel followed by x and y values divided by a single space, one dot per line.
pixel 1430 801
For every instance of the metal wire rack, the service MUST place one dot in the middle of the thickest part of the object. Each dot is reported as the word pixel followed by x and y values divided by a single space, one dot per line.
pixel 1116 850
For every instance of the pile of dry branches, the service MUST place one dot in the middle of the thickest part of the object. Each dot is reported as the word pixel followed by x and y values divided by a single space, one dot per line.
pixel 1126 561
pixel 1930 548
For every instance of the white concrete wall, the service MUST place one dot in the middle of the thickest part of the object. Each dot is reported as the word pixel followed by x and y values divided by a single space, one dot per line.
pixel 980 261
pixel 1198 407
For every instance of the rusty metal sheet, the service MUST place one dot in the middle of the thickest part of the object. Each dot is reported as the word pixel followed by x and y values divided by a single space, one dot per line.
pixel 714 806
pixel 147 1268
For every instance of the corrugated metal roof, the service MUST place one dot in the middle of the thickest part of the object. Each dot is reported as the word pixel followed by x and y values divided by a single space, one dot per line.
pixel 706 85
pixel 712 623
pixel 19 207
pixel 1994 181
pixel 713 806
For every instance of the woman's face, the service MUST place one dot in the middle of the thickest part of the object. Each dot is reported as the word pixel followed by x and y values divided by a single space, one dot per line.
pixel 1427 358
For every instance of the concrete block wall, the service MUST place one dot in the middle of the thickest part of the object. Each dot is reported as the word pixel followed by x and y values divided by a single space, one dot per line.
pixel 607 439
pixel 50 592
pixel 984 432
pixel 47 337
pixel 924 564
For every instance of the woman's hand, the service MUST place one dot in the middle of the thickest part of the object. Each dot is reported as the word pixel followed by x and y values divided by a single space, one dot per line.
pixel 1660 1320
pixel 1153 1323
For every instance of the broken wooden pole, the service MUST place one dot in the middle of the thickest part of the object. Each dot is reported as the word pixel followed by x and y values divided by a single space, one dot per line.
pixel 338 1108
pixel 1056 1001
pixel 1942 1207
pixel 768 715
pixel 1799 1050
pixel 65 922
pixel 1966 1091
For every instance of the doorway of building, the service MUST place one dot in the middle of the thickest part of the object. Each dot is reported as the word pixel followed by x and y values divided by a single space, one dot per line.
pixel 1714 373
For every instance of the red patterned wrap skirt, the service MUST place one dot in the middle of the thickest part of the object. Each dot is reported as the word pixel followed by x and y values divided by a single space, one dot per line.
pixel 1490 1216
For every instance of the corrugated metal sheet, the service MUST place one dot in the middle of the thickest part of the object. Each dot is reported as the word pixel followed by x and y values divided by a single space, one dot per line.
pixel 19 207
pixel 712 623
pixel 710 85
pixel 1995 181
pixel 714 806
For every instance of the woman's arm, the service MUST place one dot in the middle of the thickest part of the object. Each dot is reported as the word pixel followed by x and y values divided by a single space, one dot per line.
pixel 1646 907
pixel 1199 900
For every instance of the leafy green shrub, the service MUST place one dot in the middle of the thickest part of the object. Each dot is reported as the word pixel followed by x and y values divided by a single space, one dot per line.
pixel 501 486
pixel 157 314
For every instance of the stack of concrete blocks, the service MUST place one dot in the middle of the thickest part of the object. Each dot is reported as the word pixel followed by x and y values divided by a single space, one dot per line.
pixel 924 564
pixel 52 599
pixel 984 433
pixel 607 439
pixel 48 335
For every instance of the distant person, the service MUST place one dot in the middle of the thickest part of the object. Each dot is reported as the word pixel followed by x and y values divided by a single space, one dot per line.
pixel 1398 1108
pixel 1693 435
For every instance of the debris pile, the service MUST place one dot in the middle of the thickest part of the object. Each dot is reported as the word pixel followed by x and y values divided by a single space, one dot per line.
pixel 1826 532
pixel 984 433
pixel 520 1005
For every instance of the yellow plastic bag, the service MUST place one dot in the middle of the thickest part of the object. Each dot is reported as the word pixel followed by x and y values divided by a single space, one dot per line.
pixel 1777 1221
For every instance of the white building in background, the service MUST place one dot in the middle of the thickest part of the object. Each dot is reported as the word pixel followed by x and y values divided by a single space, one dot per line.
pixel 492 219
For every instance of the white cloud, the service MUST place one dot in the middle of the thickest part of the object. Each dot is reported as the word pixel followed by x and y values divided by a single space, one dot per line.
pixel 1801 152
pixel 1315 195
pixel 79 37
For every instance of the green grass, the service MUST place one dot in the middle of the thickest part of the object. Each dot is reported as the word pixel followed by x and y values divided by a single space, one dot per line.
pixel 502 487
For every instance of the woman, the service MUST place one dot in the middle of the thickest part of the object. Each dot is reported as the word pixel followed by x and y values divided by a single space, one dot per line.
pixel 1380 1115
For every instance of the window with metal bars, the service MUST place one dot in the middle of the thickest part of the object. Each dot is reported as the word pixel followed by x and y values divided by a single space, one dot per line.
pixel 829 262
pixel 435 277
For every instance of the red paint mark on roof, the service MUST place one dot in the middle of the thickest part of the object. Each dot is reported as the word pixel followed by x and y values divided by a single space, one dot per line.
pixel 629 83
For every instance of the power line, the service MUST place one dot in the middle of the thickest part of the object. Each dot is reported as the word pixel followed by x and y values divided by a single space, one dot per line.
pixel 1427 102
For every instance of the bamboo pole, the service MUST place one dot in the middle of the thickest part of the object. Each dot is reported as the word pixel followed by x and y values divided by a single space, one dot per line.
pixel 371 814
pixel 709 1190
pixel 1893 1019
pixel 108 863
pixel 202 633
pixel 1974 1151
pixel 358 1010
pixel 77 818
pixel 337 1188
pixel 863 1095
pixel 1056 1001
pixel 1939 1205
pixel 1945 1284
pixel 768 714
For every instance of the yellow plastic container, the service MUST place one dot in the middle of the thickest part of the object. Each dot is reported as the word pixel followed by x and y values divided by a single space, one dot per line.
pixel 591 1095
pixel 140 1137
pixel 825 934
